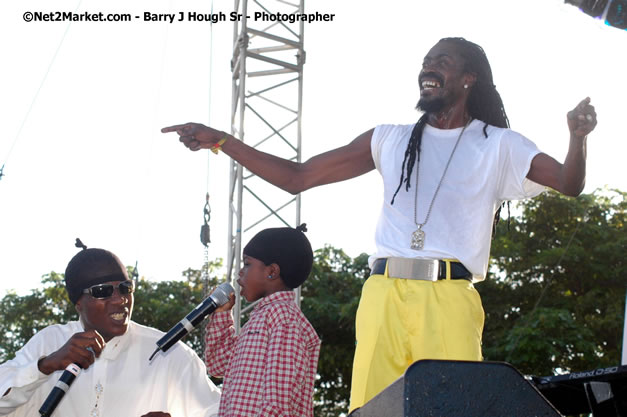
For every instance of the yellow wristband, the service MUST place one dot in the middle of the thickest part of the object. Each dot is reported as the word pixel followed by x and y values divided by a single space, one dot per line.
pixel 218 146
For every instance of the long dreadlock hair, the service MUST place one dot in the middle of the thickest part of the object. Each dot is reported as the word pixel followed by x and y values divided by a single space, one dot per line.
pixel 484 103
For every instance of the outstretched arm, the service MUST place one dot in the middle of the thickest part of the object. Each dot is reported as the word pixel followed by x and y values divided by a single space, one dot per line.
pixel 340 164
pixel 570 177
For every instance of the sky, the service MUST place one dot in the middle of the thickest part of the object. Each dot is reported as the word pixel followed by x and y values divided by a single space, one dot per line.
pixel 82 105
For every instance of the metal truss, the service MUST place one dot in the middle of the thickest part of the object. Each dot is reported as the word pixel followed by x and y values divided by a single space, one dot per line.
pixel 267 70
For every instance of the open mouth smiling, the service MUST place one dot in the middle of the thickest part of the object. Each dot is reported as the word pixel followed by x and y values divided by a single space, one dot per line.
pixel 428 84
pixel 430 81
pixel 120 316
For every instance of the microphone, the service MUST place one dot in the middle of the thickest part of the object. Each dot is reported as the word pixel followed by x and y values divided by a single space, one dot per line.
pixel 59 390
pixel 218 298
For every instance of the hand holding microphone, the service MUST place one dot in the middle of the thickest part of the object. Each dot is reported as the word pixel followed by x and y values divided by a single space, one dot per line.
pixel 79 352
pixel 81 349
pixel 219 297
pixel 228 305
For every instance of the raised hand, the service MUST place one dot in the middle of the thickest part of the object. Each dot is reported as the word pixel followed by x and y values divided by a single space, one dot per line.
pixel 229 304
pixel 582 119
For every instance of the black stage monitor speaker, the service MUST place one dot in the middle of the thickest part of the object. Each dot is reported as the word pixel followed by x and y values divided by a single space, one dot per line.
pixel 433 388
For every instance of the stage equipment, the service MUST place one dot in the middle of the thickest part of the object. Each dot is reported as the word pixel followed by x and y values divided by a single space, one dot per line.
pixel 432 388
pixel 602 392
pixel 617 14
pixel 594 8
pixel 611 12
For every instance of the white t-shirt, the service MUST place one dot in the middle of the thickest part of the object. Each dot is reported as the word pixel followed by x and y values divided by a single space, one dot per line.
pixel 483 173
pixel 174 382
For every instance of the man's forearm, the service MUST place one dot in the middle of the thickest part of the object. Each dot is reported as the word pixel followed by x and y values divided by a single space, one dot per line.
pixel 573 172
pixel 280 172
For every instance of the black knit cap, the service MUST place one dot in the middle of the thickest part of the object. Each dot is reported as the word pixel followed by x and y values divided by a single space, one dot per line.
pixel 92 267
pixel 289 248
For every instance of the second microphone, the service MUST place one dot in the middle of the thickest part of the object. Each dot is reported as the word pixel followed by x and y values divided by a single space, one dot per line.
pixel 218 298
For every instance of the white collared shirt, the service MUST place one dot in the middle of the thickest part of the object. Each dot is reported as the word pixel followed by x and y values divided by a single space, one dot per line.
pixel 121 382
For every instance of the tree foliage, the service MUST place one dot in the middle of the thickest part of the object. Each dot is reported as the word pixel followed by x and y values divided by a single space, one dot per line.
pixel 23 316
pixel 555 299
pixel 330 300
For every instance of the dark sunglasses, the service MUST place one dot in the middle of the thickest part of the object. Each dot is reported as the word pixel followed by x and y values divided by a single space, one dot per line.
pixel 102 291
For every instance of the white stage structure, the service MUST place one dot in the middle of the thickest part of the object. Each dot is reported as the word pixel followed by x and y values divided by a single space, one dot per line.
pixel 267 71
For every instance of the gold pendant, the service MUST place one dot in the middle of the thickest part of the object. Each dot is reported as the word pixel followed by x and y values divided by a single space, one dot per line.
pixel 418 239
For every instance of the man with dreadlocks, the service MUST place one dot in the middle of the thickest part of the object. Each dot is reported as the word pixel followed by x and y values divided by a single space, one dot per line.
pixel 457 165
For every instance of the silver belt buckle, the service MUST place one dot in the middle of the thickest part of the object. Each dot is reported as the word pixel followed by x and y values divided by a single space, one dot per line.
pixel 408 268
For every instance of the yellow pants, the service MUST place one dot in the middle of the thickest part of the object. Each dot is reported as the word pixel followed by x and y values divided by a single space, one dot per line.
pixel 400 321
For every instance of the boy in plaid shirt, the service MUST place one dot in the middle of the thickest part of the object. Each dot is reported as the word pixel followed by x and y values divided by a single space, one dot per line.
pixel 269 368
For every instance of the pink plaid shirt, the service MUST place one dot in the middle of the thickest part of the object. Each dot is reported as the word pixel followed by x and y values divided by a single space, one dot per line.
pixel 269 369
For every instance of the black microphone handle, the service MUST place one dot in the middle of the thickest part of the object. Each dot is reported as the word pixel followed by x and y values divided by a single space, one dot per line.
pixel 218 298
pixel 186 325
pixel 63 384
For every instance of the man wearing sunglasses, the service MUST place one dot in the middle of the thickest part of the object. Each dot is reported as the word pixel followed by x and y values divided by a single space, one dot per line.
pixel 116 378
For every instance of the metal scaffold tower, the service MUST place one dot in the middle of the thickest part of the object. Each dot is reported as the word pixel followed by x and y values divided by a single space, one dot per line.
pixel 267 70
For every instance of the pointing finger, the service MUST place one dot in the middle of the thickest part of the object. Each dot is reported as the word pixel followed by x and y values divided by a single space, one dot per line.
pixel 176 128
pixel 171 128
